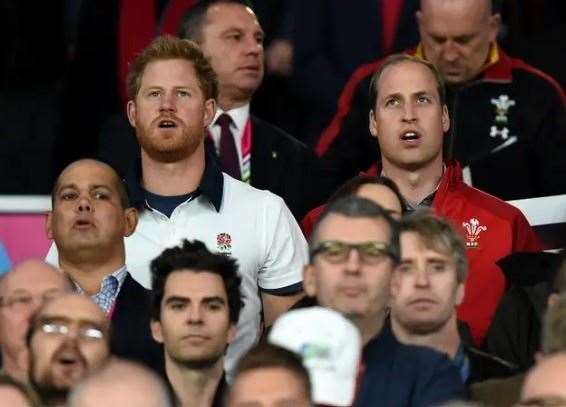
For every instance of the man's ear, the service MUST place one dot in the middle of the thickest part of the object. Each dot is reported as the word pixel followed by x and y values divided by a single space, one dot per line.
pixel 156 331
pixel 131 111
pixel 131 221
pixel 460 292
pixel 394 285
pixel 445 119
pixel 209 111
pixel 48 223
pixel 231 333
pixel 493 24
pixel 309 280
pixel 419 18
pixel 372 124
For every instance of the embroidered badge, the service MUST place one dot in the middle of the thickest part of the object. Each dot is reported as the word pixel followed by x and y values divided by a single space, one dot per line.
pixel 473 230
pixel 502 105
pixel 224 243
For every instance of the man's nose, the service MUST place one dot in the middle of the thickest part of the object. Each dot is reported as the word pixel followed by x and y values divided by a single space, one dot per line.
pixel 353 261
pixel 84 205
pixel 450 52
pixel 422 278
pixel 167 102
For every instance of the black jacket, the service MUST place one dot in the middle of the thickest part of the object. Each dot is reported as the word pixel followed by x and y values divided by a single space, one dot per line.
pixel 131 335
pixel 514 334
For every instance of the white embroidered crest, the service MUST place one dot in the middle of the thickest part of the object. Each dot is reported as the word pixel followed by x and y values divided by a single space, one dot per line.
pixel 473 230
pixel 502 105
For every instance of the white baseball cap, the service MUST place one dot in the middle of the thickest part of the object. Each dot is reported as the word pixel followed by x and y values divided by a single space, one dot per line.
pixel 330 347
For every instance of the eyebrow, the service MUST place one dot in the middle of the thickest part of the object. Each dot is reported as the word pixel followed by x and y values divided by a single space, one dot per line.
pixel 90 188
pixel 187 299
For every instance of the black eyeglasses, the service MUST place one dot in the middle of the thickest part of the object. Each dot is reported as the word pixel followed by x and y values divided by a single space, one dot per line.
pixel 337 252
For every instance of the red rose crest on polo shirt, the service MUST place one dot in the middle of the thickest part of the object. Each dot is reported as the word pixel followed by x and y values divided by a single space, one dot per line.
pixel 473 230
pixel 224 243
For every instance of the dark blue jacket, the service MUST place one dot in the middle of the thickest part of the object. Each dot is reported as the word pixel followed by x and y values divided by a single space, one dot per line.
pixel 398 375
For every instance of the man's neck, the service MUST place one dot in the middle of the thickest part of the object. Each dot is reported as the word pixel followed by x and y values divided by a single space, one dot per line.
pixel 369 327
pixel 227 101
pixel 89 273
pixel 415 184
pixel 445 340
pixel 174 178
pixel 16 365
pixel 194 387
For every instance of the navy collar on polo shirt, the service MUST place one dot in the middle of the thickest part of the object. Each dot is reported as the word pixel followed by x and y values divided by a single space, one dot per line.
pixel 211 183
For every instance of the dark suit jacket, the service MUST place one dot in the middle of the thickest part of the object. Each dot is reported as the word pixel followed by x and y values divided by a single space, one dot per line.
pixel 131 335
pixel 285 166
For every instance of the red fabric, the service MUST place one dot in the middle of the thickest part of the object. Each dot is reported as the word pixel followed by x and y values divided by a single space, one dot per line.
pixel 173 15
pixel 136 28
pixel 390 12
pixel 507 231
pixel 308 222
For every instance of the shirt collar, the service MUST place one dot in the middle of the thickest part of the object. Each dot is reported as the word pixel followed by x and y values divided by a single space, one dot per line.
pixel 119 275
pixel 239 116
pixel 211 183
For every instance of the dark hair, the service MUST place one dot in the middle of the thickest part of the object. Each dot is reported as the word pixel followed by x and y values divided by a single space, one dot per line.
pixel 197 258
pixel 353 185
pixel 439 235
pixel 266 355
pixel 120 186
pixel 191 24
pixel 168 47
pixel 355 207
pixel 397 59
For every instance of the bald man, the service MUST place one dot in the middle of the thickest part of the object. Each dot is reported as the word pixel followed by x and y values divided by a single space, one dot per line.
pixel 508 125
pixel 121 383
pixel 90 218
pixel 22 291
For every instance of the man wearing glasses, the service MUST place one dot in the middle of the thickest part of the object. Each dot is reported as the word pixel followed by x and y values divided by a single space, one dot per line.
pixel 68 337
pixel 353 252
pixel 22 291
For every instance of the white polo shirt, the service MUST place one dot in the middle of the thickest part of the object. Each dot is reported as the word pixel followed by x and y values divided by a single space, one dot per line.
pixel 253 226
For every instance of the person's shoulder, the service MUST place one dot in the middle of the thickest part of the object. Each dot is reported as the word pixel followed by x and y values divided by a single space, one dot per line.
pixel 277 135
pixel 533 77
pixel 489 203
pixel 241 192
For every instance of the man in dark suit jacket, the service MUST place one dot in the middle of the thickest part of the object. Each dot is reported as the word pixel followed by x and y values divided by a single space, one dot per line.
pixel 248 148
pixel 90 218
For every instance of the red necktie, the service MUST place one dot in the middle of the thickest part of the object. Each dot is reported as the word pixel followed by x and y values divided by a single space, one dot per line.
pixel 228 152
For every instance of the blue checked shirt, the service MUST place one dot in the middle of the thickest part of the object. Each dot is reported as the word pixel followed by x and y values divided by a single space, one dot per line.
pixel 109 289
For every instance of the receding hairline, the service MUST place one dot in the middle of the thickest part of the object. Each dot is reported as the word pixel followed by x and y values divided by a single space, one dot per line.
pixel 403 62
pixel 116 180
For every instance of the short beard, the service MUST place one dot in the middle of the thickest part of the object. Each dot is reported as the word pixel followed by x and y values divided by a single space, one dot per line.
pixel 166 155
pixel 48 394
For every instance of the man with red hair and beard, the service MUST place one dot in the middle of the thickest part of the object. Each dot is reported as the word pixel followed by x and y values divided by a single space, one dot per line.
pixel 68 337
pixel 182 194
